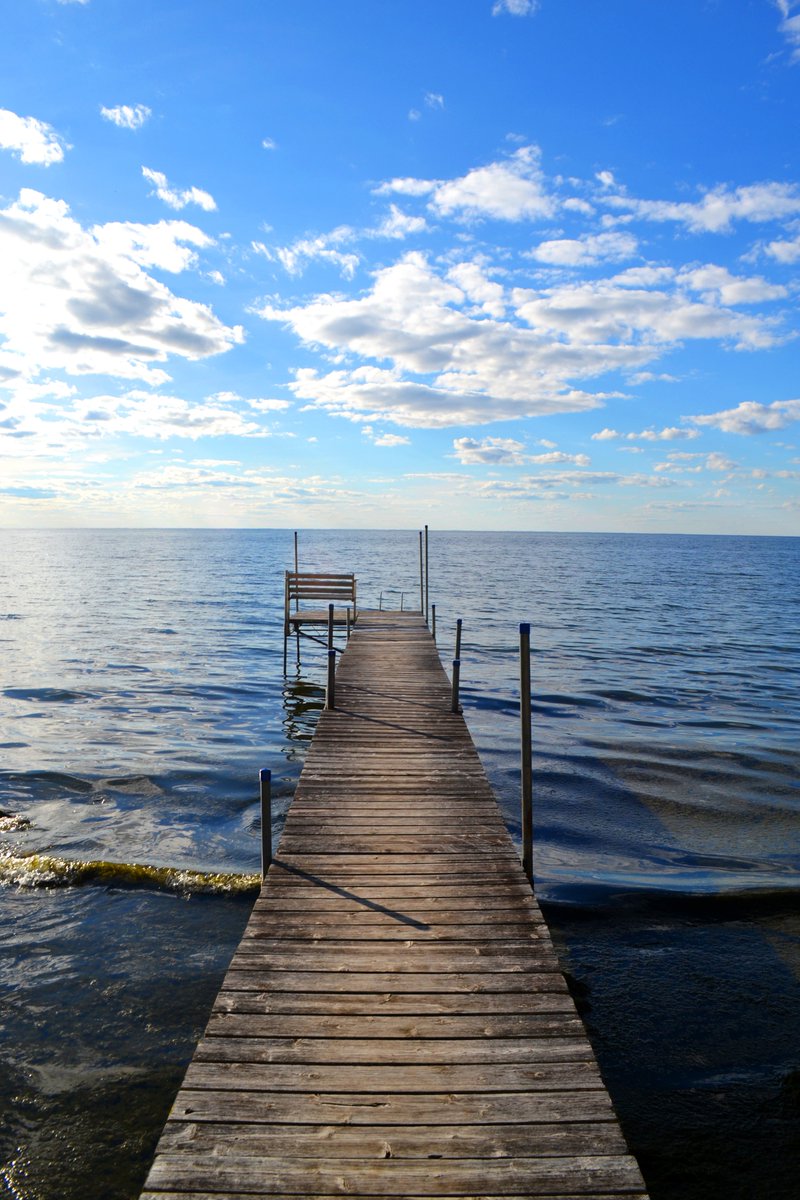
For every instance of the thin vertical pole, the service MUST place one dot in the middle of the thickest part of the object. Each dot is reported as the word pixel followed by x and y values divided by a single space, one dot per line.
pixel 296 569
pixel 421 577
pixel 454 706
pixel 426 575
pixel 433 621
pixel 459 623
pixel 348 622
pixel 525 730
pixel 265 781
pixel 330 691
pixel 330 626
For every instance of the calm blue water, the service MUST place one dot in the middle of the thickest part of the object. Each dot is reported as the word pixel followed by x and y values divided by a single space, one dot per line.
pixel 141 690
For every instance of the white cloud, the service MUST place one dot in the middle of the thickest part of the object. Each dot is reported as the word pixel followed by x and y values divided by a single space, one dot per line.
pixel 670 434
pixel 497 451
pixel 79 300
pixel 165 245
pixel 455 359
pixel 751 417
pixel 785 250
pixel 127 116
pixel 31 140
pixel 718 462
pixel 717 285
pixel 434 100
pixel 716 211
pixel 790 26
pixel 260 404
pixel 385 439
pixel 510 190
pixel 320 248
pixel 507 452
pixel 586 250
pixel 516 8
pixel 176 198
pixel 269 143
pixel 397 224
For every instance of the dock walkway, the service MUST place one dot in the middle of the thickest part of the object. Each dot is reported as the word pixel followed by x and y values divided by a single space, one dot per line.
pixel 394 1021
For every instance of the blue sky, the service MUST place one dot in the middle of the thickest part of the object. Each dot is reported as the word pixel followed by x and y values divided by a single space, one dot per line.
pixel 509 265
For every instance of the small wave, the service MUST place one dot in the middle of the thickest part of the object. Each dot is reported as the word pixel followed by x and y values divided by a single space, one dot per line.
pixel 47 870
pixel 9 822
pixel 46 695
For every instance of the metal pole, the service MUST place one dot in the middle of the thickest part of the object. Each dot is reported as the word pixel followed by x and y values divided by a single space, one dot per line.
pixel 455 706
pixel 348 622
pixel 426 574
pixel 433 621
pixel 525 730
pixel 459 623
pixel 421 577
pixel 330 626
pixel 265 781
pixel 330 692
pixel 297 597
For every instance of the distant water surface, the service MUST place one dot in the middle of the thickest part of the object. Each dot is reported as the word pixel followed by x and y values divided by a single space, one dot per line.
pixel 141 689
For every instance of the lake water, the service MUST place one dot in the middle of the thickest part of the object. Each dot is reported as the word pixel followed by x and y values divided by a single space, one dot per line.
pixel 141 689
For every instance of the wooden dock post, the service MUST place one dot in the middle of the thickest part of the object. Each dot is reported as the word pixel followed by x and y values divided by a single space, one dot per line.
pixel 330 689
pixel 459 623
pixel 394 1022
pixel 433 621
pixel 454 704
pixel 421 577
pixel 265 786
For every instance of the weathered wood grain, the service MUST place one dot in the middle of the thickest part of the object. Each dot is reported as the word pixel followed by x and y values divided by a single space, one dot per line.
pixel 394 1022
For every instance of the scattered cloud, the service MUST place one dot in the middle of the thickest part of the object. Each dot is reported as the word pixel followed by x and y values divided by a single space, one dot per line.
pixel 717 209
pixel 464 350
pixel 176 198
pixel 587 250
pixel 320 248
pixel 31 140
pixel 512 189
pixel 127 116
pixel 790 26
pixel 670 434
pixel 751 417
pixel 504 452
pixel 507 452
pixel 434 100
pixel 385 439
pixel 269 143
pixel 398 224
pixel 80 300
pixel 515 8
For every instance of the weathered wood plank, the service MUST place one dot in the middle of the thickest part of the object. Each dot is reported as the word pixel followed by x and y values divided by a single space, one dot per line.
pixel 229 1139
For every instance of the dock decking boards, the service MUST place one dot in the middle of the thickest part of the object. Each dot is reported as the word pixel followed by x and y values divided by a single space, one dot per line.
pixel 394 1021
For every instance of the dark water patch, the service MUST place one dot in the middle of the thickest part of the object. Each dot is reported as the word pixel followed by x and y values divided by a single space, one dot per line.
pixel 47 695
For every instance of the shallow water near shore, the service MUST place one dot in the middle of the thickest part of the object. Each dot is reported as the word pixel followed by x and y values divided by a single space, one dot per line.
pixel 141 690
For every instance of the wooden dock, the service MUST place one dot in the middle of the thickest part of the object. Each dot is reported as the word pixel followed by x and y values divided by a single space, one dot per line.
pixel 394 1021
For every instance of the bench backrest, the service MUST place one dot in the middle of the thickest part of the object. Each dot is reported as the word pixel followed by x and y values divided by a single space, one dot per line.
pixel 323 586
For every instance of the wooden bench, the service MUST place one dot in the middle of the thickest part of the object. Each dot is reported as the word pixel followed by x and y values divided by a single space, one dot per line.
pixel 323 588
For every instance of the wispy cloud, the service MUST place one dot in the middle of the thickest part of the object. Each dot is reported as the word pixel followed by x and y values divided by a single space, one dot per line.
pixel 586 250
pixel 515 8
pixel 385 439
pixel 31 140
pixel 176 197
pixel 790 25
pixel 718 209
pixel 670 434
pixel 127 116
